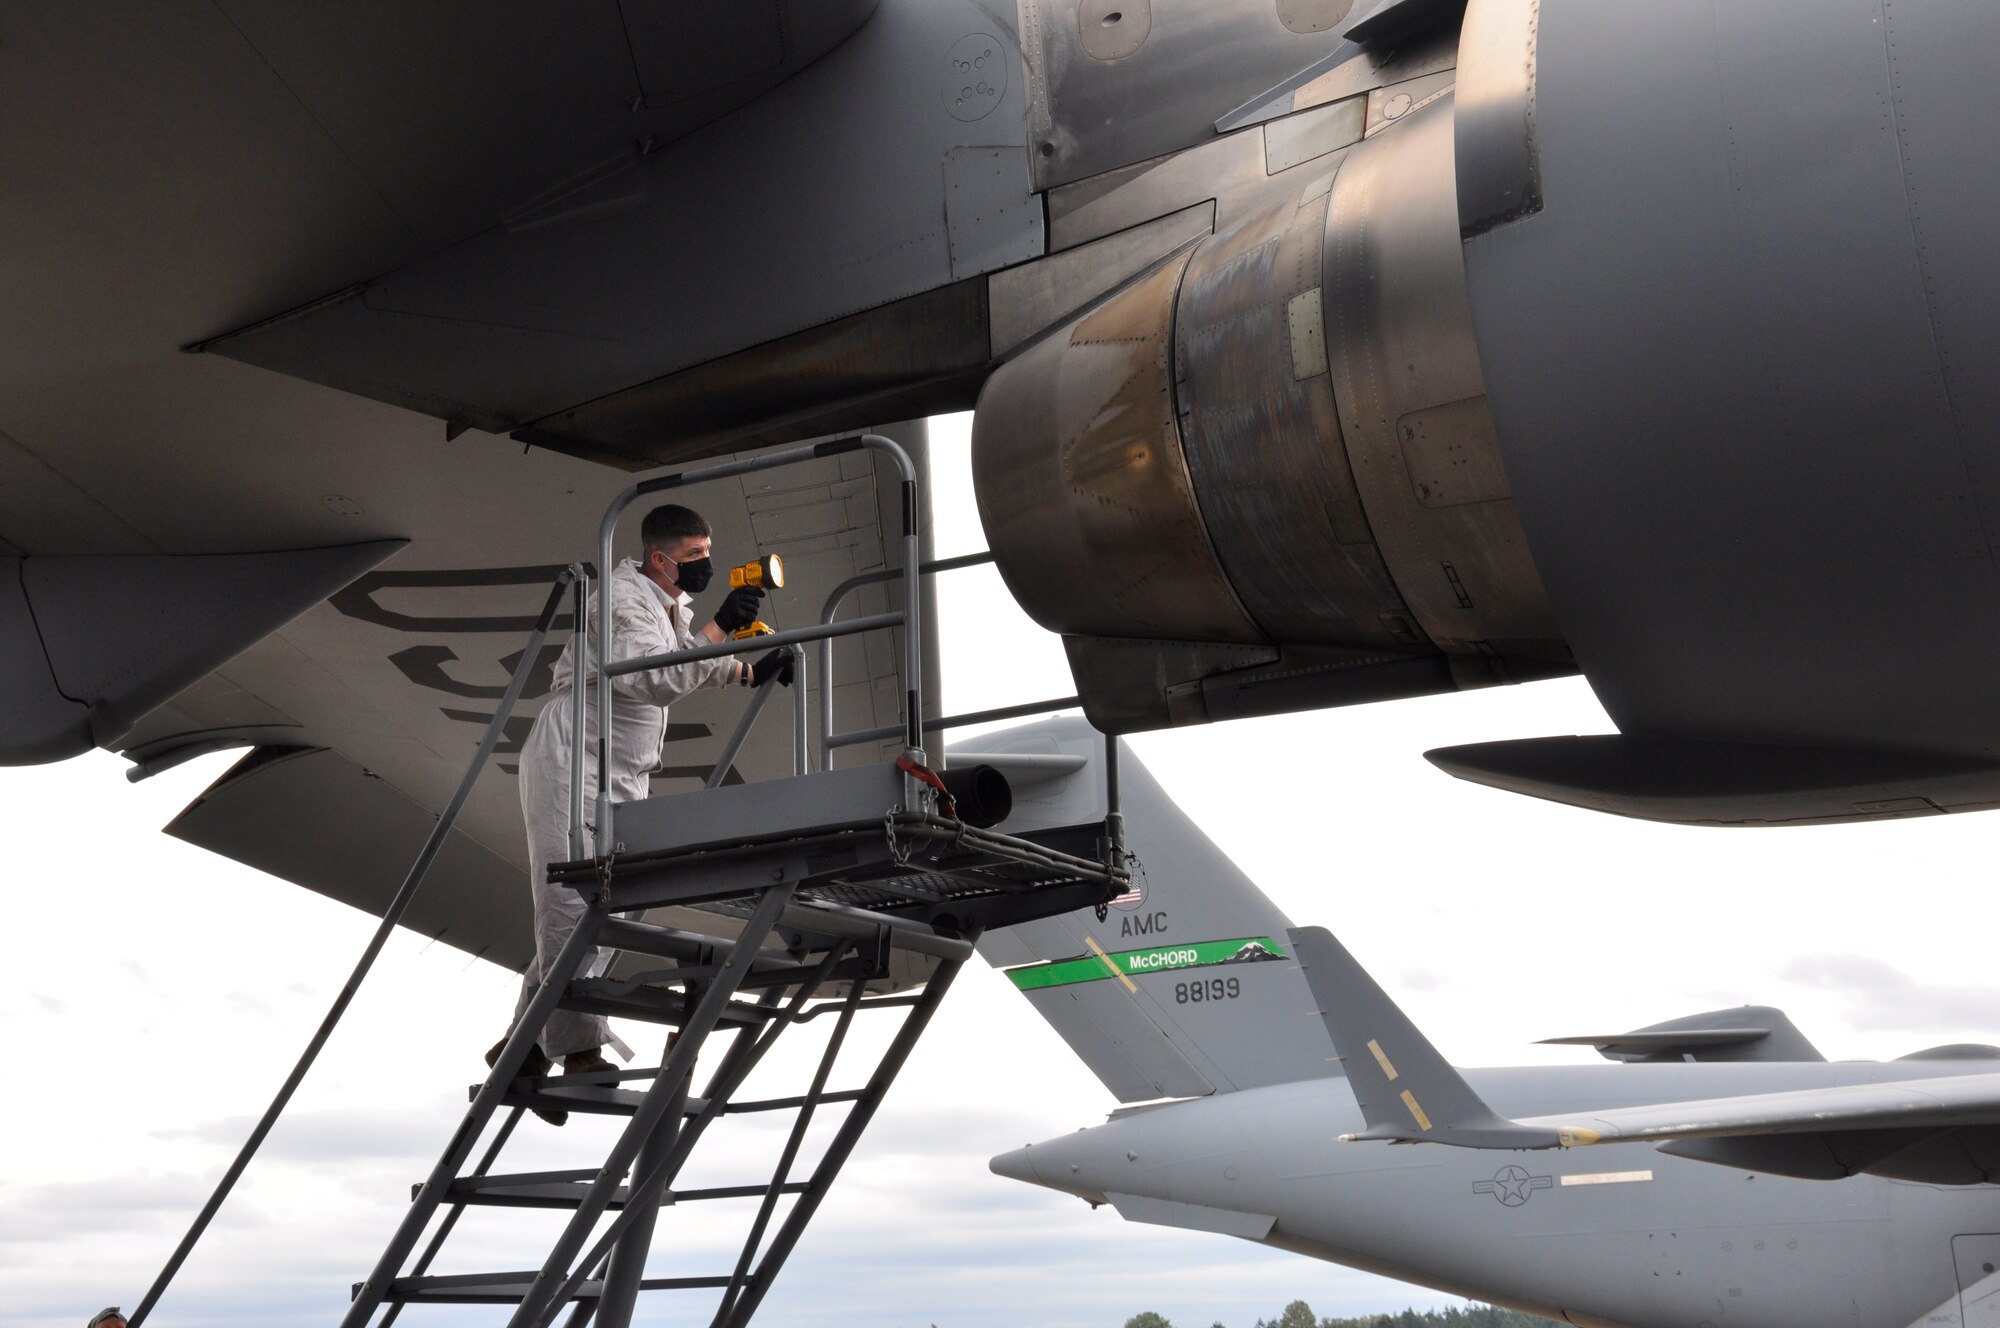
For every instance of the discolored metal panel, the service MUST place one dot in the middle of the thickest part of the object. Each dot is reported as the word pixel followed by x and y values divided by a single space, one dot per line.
pixel 1346 73
pixel 1083 487
pixel 1222 173
pixel 1263 436
pixel 1029 298
pixel 1451 455
pixel 1399 335
pixel 1299 138
pixel 1105 91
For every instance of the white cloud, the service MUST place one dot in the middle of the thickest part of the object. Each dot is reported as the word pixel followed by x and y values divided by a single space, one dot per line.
pixel 1878 996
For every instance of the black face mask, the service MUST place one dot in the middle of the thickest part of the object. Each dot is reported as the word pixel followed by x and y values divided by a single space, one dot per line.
pixel 694 575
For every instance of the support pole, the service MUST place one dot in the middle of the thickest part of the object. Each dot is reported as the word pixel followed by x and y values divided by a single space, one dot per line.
pixel 391 915
pixel 627 1263
pixel 799 720
pixel 1114 813
pixel 579 670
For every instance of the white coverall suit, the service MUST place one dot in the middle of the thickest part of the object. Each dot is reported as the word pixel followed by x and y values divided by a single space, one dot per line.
pixel 645 620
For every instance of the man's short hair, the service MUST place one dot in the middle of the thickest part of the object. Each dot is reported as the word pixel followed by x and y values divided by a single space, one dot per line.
pixel 669 524
pixel 108 1312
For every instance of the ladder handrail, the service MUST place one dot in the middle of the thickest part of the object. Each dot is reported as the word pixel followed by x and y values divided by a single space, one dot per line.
pixel 829 741
pixel 838 596
pixel 910 618
pixel 727 760
pixel 391 915
pixel 944 723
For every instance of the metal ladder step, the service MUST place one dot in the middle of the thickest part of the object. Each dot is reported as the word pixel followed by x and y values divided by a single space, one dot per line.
pixel 792 1103
pixel 589 1099
pixel 734 1192
pixel 653 1006
pixel 526 1189
pixel 565 1189
pixel 608 1100
pixel 508 1288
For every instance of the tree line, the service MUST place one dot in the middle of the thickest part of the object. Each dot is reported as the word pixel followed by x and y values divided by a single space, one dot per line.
pixel 1298 1314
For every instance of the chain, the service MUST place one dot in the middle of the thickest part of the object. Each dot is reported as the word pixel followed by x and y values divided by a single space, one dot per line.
pixel 896 852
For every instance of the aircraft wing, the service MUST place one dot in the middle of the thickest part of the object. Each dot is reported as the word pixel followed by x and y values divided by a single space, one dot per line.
pixel 1937 1129
pixel 1912 1104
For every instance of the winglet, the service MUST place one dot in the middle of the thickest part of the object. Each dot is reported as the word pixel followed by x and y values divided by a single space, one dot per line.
pixel 1408 1093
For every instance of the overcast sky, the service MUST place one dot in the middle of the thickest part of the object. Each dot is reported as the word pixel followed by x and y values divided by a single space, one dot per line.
pixel 152 997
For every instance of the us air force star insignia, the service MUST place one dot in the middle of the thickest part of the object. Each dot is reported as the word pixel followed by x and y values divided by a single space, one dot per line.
pixel 1512 1186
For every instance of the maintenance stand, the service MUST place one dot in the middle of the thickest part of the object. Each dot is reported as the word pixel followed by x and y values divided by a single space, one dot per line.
pixel 818 884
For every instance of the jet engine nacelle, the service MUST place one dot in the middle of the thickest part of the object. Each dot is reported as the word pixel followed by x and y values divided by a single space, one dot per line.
pixel 1674 360
pixel 1264 477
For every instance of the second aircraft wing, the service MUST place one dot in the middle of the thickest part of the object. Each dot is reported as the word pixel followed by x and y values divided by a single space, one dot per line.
pixel 1929 1127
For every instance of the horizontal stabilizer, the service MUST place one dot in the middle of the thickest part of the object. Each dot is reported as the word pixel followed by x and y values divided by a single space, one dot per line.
pixel 1408 1093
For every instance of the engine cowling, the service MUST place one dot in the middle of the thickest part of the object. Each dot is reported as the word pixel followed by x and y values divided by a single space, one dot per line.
pixel 1264 476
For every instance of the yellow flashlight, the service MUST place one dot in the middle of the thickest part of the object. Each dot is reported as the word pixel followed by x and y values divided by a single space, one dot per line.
pixel 767 572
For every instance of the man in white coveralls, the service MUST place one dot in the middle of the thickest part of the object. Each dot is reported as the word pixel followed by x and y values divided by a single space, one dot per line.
pixel 651 614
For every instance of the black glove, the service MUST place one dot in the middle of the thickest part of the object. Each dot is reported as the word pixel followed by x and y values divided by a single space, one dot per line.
pixel 776 665
pixel 739 608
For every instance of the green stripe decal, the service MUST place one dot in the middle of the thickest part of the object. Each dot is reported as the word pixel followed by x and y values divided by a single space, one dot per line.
pixel 1137 963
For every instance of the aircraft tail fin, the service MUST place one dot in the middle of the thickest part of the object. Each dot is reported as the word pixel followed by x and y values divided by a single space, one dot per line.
pixel 1407 1091
pixel 1187 987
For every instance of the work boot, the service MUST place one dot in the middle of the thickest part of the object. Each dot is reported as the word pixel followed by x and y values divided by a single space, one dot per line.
pixel 587 1062
pixel 536 1066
